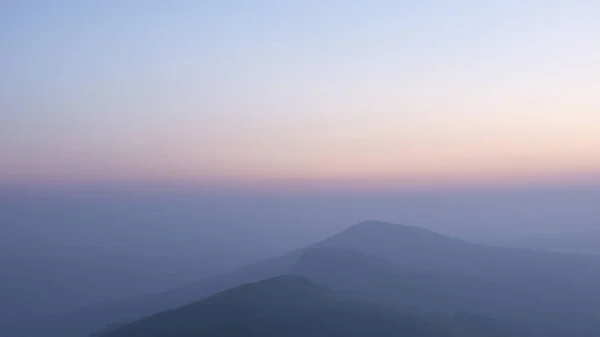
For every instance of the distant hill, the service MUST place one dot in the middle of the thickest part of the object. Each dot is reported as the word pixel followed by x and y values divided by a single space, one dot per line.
pixel 550 294
pixel 551 308
pixel 292 306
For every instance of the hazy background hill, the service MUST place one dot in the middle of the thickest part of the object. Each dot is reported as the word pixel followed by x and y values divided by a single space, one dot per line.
pixel 557 294
pixel 555 308
pixel 67 248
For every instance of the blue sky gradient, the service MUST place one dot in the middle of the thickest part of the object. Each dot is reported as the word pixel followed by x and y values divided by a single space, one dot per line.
pixel 234 92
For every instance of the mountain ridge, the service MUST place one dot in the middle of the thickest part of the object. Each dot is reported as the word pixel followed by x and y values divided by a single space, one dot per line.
pixel 446 262
pixel 294 306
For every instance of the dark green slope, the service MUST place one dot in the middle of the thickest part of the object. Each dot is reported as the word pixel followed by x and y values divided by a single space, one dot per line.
pixel 292 306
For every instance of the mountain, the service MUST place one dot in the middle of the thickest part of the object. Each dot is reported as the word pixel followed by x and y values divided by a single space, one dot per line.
pixel 81 322
pixel 551 294
pixel 293 306
pixel 550 309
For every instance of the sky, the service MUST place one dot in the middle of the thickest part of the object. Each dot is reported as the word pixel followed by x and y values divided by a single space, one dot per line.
pixel 361 93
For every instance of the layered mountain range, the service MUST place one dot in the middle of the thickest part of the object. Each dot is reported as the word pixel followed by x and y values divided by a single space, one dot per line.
pixel 379 265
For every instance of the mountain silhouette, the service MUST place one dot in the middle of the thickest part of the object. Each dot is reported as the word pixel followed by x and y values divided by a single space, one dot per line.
pixel 552 294
pixel 292 306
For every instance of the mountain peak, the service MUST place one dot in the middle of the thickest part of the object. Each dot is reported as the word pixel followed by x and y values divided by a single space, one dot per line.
pixel 375 227
pixel 395 242
pixel 379 224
